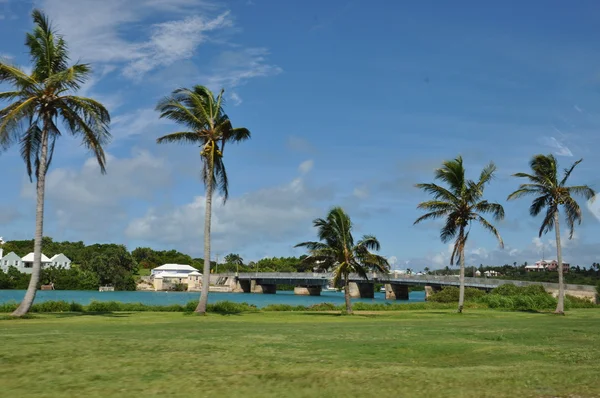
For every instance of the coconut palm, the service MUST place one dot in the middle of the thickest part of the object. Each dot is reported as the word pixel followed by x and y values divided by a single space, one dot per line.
pixel 42 103
pixel 202 115
pixel 550 194
pixel 460 204
pixel 234 259
pixel 338 252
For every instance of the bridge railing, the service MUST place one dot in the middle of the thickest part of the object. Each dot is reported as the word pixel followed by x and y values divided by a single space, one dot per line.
pixel 487 283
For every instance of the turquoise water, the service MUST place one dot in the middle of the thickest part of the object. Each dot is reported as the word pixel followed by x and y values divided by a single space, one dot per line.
pixel 166 298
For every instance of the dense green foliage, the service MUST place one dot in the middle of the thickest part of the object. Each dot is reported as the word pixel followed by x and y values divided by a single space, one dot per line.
pixel 450 294
pixel 92 266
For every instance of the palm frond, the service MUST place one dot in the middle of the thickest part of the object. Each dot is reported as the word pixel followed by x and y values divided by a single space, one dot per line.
pixel 495 209
pixel 439 193
pixel 182 137
pixel 582 190
pixel 369 242
pixel 573 214
pixel 431 216
pixel 548 222
pixel 486 224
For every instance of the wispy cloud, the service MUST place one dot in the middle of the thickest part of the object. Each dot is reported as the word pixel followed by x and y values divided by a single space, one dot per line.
pixel 235 98
pixel 558 148
pixel 173 41
pixel 306 166
pixel 234 67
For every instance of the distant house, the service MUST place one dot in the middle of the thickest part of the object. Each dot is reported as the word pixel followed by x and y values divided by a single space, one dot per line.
pixel 168 275
pixel 545 265
pixel 10 260
pixel 25 264
pixel 60 261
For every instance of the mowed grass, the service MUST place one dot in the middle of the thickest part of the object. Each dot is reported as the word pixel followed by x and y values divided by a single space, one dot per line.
pixel 481 353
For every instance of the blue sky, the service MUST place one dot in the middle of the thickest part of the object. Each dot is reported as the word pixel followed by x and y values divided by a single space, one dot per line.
pixel 349 102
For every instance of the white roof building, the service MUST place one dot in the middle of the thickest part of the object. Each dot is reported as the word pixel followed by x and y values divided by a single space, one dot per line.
pixel 25 264
pixel 173 271
pixel 29 258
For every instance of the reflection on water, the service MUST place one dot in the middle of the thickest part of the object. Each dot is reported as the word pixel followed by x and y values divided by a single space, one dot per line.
pixel 165 298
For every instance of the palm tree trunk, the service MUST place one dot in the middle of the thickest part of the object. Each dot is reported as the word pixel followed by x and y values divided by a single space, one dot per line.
pixel 461 292
pixel 560 307
pixel 27 302
pixel 347 295
pixel 201 308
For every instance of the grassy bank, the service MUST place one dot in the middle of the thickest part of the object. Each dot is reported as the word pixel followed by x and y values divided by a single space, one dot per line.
pixel 273 354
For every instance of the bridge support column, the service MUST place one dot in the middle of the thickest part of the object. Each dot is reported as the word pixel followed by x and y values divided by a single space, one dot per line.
pixel 307 290
pixel 238 286
pixel 396 292
pixel 429 290
pixel 262 288
pixel 362 289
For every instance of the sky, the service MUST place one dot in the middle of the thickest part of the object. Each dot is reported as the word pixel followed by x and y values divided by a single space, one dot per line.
pixel 350 103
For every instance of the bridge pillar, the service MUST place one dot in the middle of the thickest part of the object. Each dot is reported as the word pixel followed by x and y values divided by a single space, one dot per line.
pixel 262 288
pixel 239 286
pixel 307 290
pixel 396 292
pixel 429 290
pixel 362 289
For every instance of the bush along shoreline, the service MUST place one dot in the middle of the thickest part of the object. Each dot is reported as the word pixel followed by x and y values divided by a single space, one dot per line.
pixel 505 297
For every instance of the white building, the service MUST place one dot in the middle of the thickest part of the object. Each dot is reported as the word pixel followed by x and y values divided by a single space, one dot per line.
pixel 167 275
pixel 25 264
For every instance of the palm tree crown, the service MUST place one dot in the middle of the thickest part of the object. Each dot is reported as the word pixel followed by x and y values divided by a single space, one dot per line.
pixel 42 100
pixel 209 127
pixel 460 204
pixel 550 192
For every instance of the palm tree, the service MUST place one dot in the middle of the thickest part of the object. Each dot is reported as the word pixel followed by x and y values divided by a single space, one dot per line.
pixel 551 193
pixel 460 204
pixel 40 104
pixel 338 251
pixel 235 259
pixel 209 127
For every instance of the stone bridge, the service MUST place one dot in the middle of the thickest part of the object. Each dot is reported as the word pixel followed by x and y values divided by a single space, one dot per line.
pixel 396 285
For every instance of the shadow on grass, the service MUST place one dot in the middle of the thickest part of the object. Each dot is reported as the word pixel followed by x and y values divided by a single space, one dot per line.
pixel 38 315
pixel 109 314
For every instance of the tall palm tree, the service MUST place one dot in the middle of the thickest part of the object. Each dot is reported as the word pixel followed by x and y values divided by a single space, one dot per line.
pixel 460 204
pixel 337 251
pixel 234 259
pixel 550 193
pixel 41 103
pixel 208 126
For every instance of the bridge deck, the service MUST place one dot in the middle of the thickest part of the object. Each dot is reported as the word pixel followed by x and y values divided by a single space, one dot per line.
pixel 323 279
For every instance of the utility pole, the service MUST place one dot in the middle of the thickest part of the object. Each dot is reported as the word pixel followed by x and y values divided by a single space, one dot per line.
pixel 217 264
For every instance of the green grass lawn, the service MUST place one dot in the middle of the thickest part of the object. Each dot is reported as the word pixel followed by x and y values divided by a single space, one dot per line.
pixel 432 353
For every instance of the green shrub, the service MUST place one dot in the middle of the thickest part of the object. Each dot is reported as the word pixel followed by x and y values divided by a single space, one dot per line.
pixel 507 289
pixel 75 307
pixel 325 307
pixel 284 307
pixel 578 302
pixel 103 306
pixel 449 294
pixel 229 307
pixel 8 307
pixel 51 306
pixel 520 302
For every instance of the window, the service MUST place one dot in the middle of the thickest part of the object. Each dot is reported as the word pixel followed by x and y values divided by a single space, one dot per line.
pixel 28 265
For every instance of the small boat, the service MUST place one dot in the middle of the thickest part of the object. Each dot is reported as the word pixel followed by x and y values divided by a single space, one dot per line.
pixel 382 290
pixel 106 289
pixel 330 289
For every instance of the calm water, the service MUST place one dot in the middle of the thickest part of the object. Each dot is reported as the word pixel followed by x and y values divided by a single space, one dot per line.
pixel 165 298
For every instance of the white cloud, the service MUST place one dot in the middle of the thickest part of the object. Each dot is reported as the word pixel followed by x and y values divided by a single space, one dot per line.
pixel 232 68
pixel 361 192
pixel 140 121
pixel 559 148
pixel 86 201
pixel 271 215
pixel 173 41
pixel 235 98
pixel 306 166
pixel 102 31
